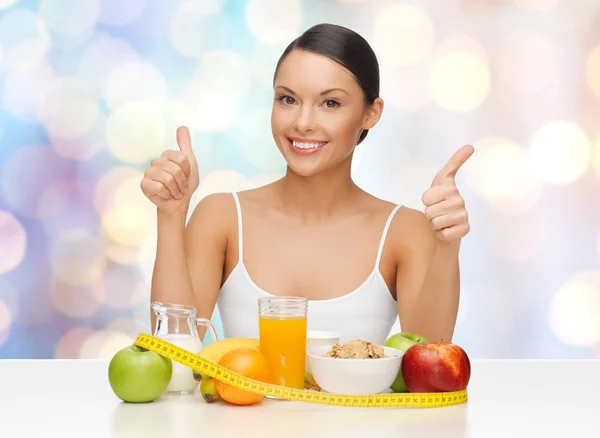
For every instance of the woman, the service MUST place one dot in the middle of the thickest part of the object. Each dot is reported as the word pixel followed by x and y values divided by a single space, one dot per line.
pixel 359 260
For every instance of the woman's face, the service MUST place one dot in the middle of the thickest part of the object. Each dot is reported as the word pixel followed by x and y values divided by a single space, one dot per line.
pixel 318 113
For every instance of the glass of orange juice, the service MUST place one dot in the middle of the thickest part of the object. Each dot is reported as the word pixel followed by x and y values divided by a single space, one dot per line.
pixel 282 332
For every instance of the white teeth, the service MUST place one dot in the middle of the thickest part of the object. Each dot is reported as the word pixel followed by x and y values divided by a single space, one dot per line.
pixel 308 145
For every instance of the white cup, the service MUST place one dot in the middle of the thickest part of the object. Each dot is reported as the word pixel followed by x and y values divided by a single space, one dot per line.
pixel 319 338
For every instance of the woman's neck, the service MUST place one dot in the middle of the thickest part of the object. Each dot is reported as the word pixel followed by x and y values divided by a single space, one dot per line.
pixel 319 196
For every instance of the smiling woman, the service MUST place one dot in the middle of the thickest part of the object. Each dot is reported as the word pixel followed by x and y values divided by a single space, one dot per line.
pixel 360 261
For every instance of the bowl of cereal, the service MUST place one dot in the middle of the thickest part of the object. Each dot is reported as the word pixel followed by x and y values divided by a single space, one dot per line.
pixel 356 367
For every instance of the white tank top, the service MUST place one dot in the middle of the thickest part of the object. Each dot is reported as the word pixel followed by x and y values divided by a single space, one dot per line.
pixel 367 313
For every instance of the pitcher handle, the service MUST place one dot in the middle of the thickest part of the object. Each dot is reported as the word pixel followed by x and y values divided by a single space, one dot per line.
pixel 211 327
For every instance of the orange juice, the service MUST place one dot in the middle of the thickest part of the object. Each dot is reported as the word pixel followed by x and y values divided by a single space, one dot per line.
pixel 283 343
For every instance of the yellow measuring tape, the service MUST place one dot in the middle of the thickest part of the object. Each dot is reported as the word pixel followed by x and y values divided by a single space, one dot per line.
pixel 395 400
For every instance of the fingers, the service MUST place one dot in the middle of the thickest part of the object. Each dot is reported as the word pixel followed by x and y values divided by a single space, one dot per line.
pixel 184 141
pixel 454 232
pixel 438 194
pixel 179 159
pixel 454 164
pixel 175 172
pixel 449 220
pixel 155 190
pixel 166 179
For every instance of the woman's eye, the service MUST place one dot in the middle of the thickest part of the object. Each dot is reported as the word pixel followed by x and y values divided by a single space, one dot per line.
pixel 288 100
pixel 331 103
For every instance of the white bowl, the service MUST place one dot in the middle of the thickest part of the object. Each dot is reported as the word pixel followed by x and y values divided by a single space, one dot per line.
pixel 319 338
pixel 354 376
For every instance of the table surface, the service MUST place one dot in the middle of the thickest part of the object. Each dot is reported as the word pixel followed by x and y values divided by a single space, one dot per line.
pixel 506 398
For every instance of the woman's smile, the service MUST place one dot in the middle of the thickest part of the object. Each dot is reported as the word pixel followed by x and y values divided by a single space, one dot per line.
pixel 305 146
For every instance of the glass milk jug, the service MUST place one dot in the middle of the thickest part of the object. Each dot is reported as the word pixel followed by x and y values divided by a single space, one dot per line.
pixel 177 324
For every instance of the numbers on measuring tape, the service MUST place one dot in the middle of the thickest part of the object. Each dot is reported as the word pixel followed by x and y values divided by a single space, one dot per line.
pixel 222 374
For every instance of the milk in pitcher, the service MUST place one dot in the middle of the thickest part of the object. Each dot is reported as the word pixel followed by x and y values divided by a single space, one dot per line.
pixel 182 380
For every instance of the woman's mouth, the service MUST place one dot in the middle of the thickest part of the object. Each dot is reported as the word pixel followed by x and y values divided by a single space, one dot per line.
pixel 306 147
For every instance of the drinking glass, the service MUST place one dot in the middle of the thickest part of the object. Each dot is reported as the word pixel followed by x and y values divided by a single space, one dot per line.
pixel 282 331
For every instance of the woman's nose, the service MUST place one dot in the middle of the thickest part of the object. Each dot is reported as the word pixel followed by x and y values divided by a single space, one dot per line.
pixel 305 120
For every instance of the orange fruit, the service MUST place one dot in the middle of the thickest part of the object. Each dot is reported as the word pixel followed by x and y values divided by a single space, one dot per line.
pixel 247 362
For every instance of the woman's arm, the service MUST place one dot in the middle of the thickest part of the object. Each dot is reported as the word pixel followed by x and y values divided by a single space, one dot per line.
pixel 189 260
pixel 427 281
pixel 428 275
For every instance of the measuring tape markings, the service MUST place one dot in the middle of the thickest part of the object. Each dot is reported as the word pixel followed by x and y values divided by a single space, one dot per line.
pixel 211 369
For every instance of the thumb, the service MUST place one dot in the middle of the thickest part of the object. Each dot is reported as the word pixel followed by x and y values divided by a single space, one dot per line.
pixel 185 142
pixel 454 164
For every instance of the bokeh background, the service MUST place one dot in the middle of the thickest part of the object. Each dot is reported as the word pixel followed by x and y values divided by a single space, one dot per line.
pixel 92 90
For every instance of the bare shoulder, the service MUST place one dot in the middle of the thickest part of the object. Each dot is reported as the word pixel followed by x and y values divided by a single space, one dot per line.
pixel 214 213
pixel 410 232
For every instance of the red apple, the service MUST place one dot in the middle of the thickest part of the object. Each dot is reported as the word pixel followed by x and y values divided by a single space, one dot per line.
pixel 438 366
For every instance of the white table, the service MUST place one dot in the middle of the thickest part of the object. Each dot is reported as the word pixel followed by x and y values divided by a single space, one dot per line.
pixel 507 398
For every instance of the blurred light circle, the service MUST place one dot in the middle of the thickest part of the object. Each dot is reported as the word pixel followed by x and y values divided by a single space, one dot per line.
pixel 592 70
pixel 221 180
pixel 70 343
pixel 64 205
pixel 135 82
pixel 527 62
pixel 5 322
pixel 573 315
pixel 76 301
pixel 417 171
pixel 27 173
pixel 70 17
pixel 106 187
pixel 68 108
pixel 536 5
pixel 215 93
pixel 515 238
pixel 104 344
pixel 147 257
pixel 459 81
pixel 263 62
pixel 13 242
pixel 10 296
pixel 560 152
pixel 24 38
pixel 274 21
pixel 120 13
pixel 403 34
pixel 24 88
pixel 77 257
pixel 257 142
pixel 120 284
pixel 409 88
pixel 82 147
pixel 132 217
pixel 135 133
pixel 121 254
pixel 500 171
pixel 598 245
pixel 130 326
pixel 596 162
pixel 126 225
pixel 195 29
pixel 103 55
pixel 4 4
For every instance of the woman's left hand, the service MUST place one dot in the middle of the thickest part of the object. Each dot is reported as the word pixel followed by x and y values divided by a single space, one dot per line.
pixel 444 206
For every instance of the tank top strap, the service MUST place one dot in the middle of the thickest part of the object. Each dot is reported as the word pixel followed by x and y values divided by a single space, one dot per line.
pixel 238 207
pixel 384 234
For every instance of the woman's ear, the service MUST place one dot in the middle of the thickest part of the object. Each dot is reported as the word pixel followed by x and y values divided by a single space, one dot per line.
pixel 373 114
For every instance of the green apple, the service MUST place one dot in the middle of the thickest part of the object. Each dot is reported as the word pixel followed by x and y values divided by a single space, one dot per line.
pixel 403 341
pixel 137 375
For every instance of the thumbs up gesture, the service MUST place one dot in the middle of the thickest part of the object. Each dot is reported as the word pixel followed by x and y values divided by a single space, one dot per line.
pixel 444 207
pixel 172 178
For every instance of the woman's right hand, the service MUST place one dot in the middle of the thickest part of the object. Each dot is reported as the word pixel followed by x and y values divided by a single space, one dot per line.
pixel 172 178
